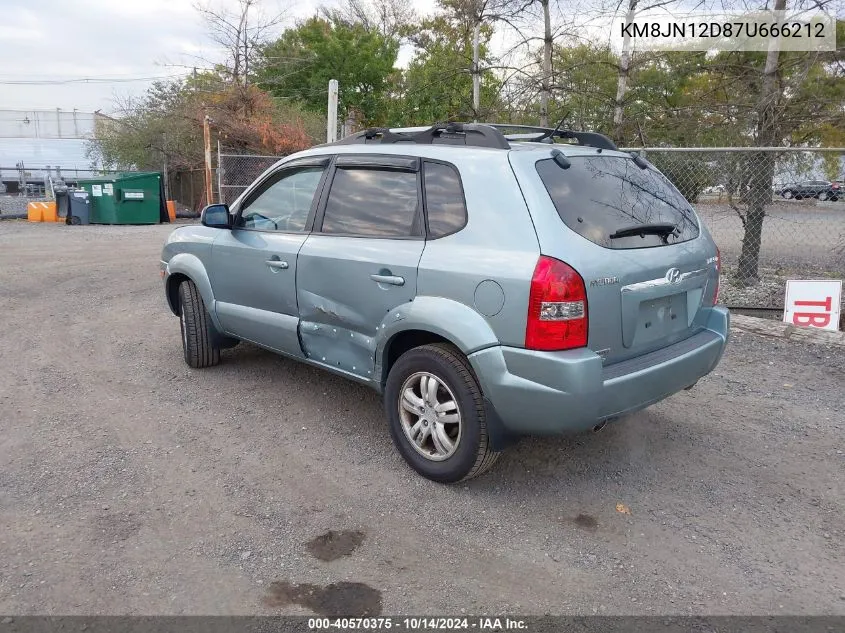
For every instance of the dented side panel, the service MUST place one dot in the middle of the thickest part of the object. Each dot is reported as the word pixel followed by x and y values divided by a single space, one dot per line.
pixel 456 322
pixel 342 305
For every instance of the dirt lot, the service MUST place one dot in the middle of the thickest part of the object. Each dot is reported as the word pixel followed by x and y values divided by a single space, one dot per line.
pixel 131 484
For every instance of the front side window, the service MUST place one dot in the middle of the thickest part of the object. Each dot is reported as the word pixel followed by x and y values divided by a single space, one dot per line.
pixel 284 204
pixel 373 202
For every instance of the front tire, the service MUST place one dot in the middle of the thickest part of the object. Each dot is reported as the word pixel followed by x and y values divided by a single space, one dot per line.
pixel 436 416
pixel 787 194
pixel 823 196
pixel 199 342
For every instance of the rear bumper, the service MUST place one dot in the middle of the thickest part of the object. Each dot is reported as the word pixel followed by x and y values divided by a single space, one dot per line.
pixel 560 392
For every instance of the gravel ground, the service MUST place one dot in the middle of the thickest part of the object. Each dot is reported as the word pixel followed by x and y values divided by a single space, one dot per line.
pixel 804 235
pixel 801 240
pixel 16 205
pixel 131 484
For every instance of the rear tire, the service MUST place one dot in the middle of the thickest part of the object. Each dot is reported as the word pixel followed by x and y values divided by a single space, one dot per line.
pixel 823 196
pixel 199 340
pixel 787 194
pixel 457 395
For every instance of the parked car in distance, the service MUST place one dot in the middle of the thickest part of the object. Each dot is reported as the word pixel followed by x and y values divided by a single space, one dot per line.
pixel 819 189
pixel 488 286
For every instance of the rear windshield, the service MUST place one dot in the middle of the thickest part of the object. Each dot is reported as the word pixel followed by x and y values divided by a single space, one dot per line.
pixel 605 198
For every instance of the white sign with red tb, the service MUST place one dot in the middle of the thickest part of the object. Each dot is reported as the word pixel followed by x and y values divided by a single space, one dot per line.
pixel 813 303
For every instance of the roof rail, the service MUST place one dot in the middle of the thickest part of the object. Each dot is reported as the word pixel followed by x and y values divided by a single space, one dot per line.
pixel 476 135
pixel 547 135
pixel 472 134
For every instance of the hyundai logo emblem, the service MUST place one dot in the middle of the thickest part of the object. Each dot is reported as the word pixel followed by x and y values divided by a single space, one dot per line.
pixel 673 275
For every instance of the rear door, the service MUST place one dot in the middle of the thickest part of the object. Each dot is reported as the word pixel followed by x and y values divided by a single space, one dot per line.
pixel 361 260
pixel 647 264
pixel 253 266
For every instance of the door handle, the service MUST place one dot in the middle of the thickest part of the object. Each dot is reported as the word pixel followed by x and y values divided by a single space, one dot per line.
pixel 275 263
pixel 393 280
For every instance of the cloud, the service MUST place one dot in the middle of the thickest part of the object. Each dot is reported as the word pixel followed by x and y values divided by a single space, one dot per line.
pixel 116 39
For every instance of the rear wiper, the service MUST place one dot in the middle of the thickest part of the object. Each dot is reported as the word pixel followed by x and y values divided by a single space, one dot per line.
pixel 664 229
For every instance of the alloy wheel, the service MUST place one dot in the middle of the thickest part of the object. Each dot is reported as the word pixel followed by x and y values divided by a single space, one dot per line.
pixel 430 416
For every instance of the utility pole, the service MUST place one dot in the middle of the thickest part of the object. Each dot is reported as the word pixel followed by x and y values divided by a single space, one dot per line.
pixel 476 76
pixel 545 86
pixel 206 134
pixel 166 179
pixel 331 123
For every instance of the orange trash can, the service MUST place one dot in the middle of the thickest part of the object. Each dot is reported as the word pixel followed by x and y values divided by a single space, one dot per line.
pixel 171 210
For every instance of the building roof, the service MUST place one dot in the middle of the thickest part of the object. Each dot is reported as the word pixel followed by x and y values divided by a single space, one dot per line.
pixel 56 123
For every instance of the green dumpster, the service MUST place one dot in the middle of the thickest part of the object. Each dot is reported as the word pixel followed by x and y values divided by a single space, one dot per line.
pixel 127 198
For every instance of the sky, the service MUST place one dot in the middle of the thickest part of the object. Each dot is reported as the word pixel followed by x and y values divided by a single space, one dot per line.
pixel 116 40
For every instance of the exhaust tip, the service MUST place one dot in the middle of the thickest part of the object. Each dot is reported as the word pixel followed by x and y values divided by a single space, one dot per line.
pixel 598 427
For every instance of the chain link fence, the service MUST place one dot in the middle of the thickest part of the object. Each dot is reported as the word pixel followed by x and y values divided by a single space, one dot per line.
pixel 775 213
pixel 235 172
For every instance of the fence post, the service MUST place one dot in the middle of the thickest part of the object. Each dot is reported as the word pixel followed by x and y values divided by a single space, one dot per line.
pixel 206 133
pixel 220 197
pixel 331 123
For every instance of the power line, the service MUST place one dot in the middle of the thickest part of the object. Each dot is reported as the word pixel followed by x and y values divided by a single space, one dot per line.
pixel 81 80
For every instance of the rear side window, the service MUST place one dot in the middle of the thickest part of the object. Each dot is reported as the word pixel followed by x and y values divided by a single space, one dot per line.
pixel 444 199
pixel 604 198
pixel 373 203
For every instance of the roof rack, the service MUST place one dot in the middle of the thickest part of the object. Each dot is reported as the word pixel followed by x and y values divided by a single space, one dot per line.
pixel 547 135
pixel 476 135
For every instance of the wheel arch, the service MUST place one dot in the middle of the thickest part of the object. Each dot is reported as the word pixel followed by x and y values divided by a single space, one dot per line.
pixel 188 267
pixel 429 320
pixel 406 340
pixel 172 290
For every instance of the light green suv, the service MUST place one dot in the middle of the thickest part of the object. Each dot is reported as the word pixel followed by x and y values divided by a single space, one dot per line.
pixel 488 285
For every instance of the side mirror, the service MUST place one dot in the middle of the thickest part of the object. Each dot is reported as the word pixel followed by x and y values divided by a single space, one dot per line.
pixel 216 216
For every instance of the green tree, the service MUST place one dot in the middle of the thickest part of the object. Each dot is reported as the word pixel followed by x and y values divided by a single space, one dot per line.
pixel 771 99
pixel 583 82
pixel 437 85
pixel 301 62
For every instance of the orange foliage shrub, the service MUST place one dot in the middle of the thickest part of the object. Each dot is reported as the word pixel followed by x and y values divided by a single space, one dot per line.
pixel 246 119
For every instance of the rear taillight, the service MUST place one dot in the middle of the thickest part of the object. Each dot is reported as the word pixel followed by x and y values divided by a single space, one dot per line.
pixel 557 307
pixel 718 275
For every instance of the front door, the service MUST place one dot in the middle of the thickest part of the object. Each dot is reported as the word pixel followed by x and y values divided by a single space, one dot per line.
pixel 361 260
pixel 254 265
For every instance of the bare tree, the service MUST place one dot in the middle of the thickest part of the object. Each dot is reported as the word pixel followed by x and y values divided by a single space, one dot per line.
pixel 240 31
pixel 389 17
pixel 768 134
pixel 549 35
pixel 634 7
pixel 477 13
pixel 622 78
